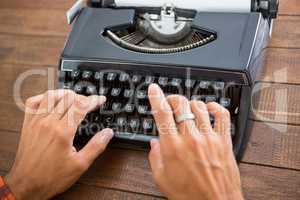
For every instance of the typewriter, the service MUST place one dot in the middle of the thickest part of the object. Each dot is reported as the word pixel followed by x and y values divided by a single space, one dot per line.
pixel 205 50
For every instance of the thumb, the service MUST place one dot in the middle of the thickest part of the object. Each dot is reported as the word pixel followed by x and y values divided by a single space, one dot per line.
pixel 96 145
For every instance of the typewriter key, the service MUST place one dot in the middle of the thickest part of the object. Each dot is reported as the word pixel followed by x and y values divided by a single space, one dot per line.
pixel 87 75
pixel 148 124
pixel 219 85
pixel 189 83
pixel 91 90
pixel 111 76
pixel 75 74
pixel 163 81
pixel 103 91
pixel 136 78
pixel 176 82
pixel 128 93
pixel 116 107
pixel 149 80
pixel 121 121
pixel 98 76
pixel 204 84
pixel 129 108
pixel 134 124
pixel 115 92
pixel 141 94
pixel 225 102
pixel 78 88
pixel 210 98
pixel 124 77
pixel 143 109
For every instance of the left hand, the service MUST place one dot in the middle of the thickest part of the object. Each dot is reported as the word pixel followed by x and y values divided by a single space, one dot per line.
pixel 47 163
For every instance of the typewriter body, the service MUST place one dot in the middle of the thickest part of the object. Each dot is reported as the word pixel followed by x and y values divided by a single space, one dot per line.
pixel 117 48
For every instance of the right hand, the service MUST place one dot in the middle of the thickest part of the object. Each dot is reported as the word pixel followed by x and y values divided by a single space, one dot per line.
pixel 192 160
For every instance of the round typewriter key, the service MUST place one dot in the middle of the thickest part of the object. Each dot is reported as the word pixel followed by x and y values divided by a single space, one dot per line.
pixel 219 85
pixel 136 78
pixel 78 88
pixel 134 123
pixel 121 121
pixel 210 98
pixel 205 84
pixel 75 74
pixel 129 108
pixel 98 76
pixel 189 83
pixel 111 76
pixel 116 107
pixel 115 92
pixel 176 82
pixel 128 93
pixel 87 75
pixel 225 102
pixel 149 80
pixel 103 91
pixel 143 109
pixel 163 81
pixel 124 77
pixel 91 90
pixel 148 124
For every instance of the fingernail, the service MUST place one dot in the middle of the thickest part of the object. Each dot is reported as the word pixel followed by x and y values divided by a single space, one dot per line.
pixel 107 135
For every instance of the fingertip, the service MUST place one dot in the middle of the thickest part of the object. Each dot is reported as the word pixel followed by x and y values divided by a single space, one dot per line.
pixel 106 135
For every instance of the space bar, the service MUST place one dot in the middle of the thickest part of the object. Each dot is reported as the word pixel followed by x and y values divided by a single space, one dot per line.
pixel 135 137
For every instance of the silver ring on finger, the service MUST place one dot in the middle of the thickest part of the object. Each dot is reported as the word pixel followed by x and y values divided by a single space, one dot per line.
pixel 185 117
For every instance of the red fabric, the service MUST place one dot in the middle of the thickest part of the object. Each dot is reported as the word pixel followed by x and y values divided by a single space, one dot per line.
pixel 5 193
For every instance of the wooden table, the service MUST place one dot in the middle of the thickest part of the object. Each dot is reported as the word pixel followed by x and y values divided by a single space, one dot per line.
pixel 32 35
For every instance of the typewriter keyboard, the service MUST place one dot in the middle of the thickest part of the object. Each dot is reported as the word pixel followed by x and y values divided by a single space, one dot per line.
pixel 127 110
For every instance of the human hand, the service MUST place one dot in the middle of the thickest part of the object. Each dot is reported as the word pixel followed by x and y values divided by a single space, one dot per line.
pixel 192 160
pixel 47 164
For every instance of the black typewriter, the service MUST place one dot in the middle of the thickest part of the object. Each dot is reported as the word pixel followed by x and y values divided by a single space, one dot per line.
pixel 211 53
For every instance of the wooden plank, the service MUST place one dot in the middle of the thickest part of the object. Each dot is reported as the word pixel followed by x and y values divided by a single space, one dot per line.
pixel 30 50
pixel 26 80
pixel 34 21
pixel 269 183
pixel 83 192
pixel 289 7
pixel 286 32
pixel 41 4
pixel 130 171
pixel 274 145
pixel 282 66
pixel 276 103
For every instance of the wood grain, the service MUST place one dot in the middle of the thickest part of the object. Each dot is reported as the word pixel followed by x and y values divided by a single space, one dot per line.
pixel 269 183
pixel 20 49
pixel 289 7
pixel 34 21
pixel 286 32
pixel 273 145
pixel 81 192
pixel 276 103
pixel 282 66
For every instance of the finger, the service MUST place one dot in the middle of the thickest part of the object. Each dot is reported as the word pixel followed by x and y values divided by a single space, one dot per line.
pixel 96 146
pixel 50 100
pixel 181 106
pixel 222 118
pixel 64 104
pixel 79 109
pixel 202 116
pixel 33 103
pixel 163 115
pixel 155 159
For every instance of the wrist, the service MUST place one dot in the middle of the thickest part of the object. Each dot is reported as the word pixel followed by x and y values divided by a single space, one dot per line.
pixel 16 186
